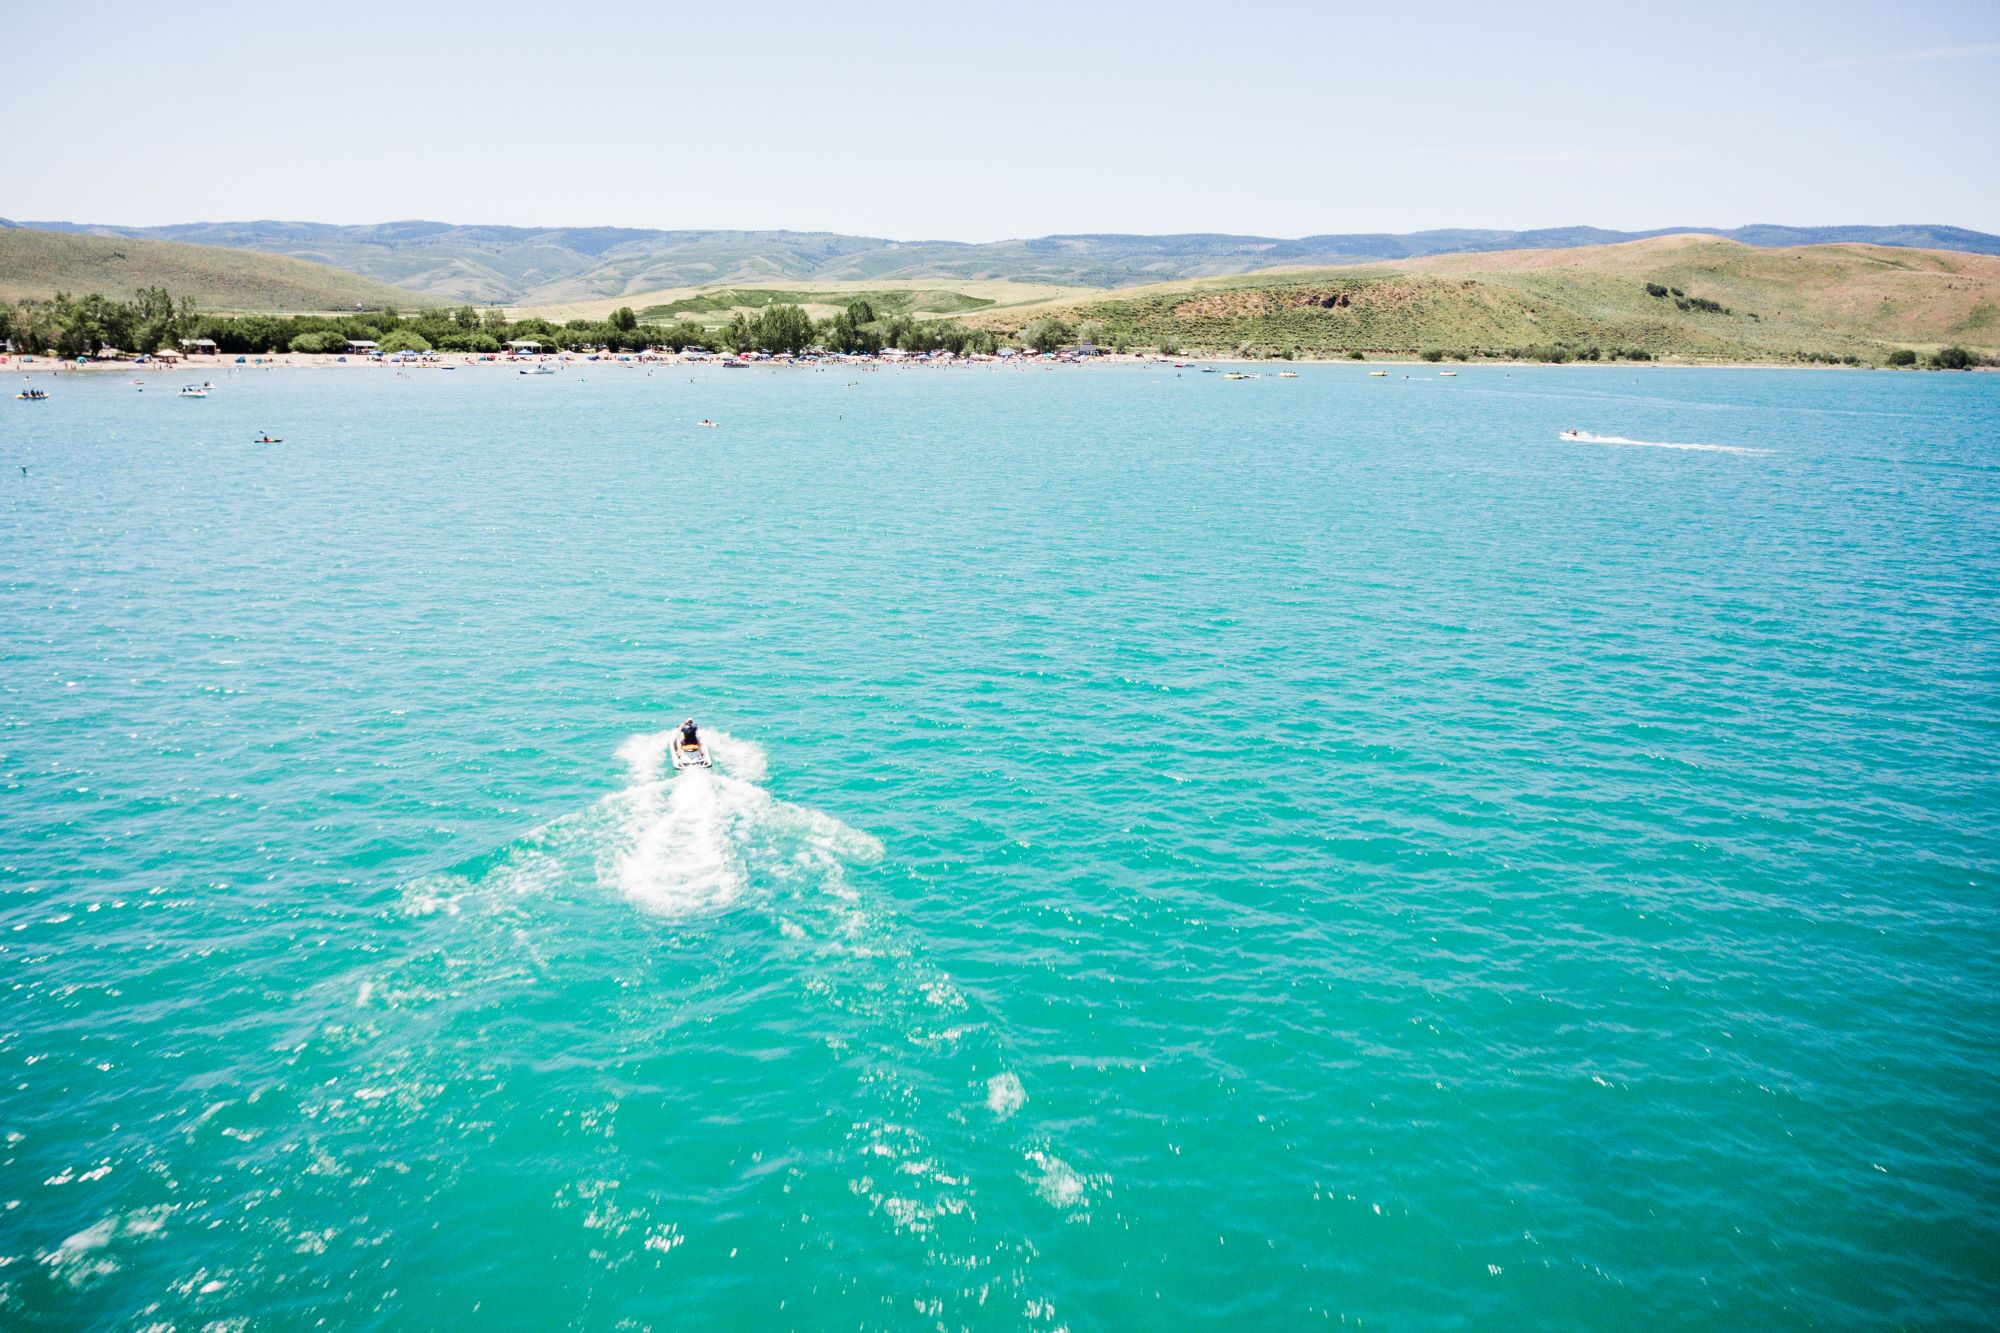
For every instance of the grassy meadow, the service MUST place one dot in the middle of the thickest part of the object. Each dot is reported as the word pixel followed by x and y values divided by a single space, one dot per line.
pixel 919 299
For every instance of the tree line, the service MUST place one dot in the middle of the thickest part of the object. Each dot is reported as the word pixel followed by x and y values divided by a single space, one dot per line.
pixel 154 321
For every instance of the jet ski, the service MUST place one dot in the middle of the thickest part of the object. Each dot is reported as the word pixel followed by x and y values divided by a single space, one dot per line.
pixel 690 756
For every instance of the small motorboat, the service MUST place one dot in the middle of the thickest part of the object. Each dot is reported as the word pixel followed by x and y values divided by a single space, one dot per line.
pixel 690 756
pixel 539 368
pixel 1447 374
pixel 194 391
pixel 1288 374
pixel 1573 436
pixel 1378 374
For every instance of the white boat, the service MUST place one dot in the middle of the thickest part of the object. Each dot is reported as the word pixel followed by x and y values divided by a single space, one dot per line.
pixel 194 391
pixel 690 756
pixel 539 368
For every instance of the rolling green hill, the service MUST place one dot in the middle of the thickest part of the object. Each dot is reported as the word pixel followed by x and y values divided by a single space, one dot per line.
pixel 1716 300
pixel 38 264
pixel 722 301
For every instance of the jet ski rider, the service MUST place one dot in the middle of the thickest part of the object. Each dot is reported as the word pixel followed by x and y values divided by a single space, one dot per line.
pixel 690 739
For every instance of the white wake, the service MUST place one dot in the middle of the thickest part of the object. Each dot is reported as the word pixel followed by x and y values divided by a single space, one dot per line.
pixel 672 843
pixel 694 840
pixel 935 1112
pixel 1585 437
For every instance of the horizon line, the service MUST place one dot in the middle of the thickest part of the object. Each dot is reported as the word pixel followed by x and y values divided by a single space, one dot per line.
pixel 1639 233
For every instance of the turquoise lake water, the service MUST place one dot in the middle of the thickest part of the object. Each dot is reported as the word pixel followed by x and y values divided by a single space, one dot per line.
pixel 1184 853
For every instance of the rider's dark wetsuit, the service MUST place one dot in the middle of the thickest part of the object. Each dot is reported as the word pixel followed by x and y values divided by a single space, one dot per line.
pixel 689 740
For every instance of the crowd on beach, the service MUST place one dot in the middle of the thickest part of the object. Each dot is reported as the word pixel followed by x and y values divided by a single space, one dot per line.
pixel 549 360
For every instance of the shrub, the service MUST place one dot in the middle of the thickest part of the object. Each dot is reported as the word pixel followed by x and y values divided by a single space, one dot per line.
pixel 1952 358
pixel 405 340
pixel 1902 356
pixel 1655 289
pixel 1357 355
pixel 1433 354
pixel 319 342
pixel 1046 335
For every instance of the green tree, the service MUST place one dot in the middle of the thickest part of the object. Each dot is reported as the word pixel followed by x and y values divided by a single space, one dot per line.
pixel 155 321
pixel 1902 356
pixel 405 340
pixel 783 328
pixel 683 334
pixel 623 319
pixel 1953 358
pixel 1048 333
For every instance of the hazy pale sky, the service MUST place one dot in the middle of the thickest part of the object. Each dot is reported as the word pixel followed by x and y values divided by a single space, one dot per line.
pixel 977 122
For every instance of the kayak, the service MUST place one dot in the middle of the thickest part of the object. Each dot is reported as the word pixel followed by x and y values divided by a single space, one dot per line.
pixel 690 756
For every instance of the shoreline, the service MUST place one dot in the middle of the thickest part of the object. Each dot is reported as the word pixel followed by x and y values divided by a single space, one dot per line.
pixel 198 367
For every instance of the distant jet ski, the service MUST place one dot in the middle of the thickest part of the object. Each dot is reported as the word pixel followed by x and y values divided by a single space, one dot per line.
pixel 688 750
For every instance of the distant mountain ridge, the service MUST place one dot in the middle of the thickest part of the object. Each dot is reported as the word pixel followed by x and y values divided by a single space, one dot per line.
pixel 541 266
